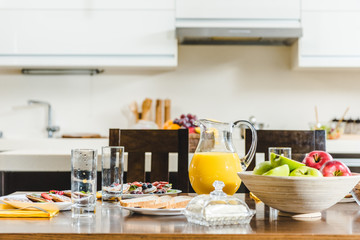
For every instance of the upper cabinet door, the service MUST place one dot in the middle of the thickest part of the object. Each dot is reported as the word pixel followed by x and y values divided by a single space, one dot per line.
pixel 235 9
pixel 331 35
pixel 105 33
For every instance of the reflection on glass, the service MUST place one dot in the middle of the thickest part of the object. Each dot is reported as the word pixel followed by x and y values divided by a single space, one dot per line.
pixel 84 225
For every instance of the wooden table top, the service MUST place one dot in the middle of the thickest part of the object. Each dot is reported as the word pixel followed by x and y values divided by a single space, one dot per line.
pixel 340 221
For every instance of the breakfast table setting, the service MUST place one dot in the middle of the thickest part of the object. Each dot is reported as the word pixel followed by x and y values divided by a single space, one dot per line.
pixel 318 198
pixel 339 221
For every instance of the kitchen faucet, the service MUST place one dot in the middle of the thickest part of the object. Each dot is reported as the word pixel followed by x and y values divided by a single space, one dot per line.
pixel 50 128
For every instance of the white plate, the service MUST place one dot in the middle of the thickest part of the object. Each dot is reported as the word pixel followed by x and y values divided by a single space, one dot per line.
pixel 158 212
pixel 173 191
pixel 347 200
pixel 62 206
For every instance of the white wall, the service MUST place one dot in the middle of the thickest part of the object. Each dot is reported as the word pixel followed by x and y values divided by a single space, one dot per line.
pixel 221 82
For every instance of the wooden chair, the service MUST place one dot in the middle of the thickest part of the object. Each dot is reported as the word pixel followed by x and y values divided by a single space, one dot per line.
pixel 160 143
pixel 300 142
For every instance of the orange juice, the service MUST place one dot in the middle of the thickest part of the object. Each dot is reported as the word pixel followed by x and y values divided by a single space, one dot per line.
pixel 206 167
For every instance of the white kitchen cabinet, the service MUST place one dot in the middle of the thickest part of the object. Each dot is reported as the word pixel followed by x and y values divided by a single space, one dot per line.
pixel 331 35
pixel 238 9
pixel 97 33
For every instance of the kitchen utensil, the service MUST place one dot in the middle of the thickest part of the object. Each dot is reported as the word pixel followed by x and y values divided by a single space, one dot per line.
pixel 215 157
pixel 134 109
pixel 342 118
pixel 167 115
pixel 299 194
pixel 318 125
pixel 158 113
pixel 146 107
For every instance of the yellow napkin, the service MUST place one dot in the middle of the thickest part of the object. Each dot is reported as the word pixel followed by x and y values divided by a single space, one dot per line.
pixel 7 211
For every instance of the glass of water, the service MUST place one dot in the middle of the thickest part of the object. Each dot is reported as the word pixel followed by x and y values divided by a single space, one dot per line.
pixel 112 159
pixel 282 151
pixel 83 182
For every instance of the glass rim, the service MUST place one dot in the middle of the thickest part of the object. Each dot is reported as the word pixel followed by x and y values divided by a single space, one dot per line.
pixel 84 149
pixel 113 147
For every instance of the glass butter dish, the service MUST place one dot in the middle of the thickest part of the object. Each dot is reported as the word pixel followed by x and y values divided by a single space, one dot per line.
pixel 217 208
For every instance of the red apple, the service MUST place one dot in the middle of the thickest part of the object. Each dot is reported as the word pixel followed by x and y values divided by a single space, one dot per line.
pixel 335 168
pixel 316 159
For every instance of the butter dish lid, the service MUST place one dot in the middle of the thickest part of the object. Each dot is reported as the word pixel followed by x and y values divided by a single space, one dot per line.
pixel 217 208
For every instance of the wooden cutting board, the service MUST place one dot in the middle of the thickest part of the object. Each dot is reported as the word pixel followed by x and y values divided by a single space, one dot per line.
pixel 81 135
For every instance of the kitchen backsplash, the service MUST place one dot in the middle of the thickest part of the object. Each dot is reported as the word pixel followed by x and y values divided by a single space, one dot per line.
pixel 218 82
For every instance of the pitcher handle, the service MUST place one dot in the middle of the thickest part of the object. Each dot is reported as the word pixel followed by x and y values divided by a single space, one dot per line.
pixel 245 161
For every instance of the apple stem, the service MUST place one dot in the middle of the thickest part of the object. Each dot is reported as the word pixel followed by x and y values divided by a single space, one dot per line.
pixel 337 173
pixel 316 158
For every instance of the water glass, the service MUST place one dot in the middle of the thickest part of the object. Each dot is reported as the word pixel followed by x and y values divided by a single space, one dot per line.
pixel 282 151
pixel 112 173
pixel 83 182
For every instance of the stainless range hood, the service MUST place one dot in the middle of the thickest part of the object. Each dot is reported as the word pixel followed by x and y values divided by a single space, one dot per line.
pixel 238 36
pixel 255 22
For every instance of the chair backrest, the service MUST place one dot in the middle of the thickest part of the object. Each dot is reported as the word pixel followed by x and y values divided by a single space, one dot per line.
pixel 160 143
pixel 300 142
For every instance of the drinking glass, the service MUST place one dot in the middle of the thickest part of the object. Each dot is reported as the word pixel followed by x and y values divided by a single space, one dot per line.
pixel 83 182
pixel 282 151
pixel 112 173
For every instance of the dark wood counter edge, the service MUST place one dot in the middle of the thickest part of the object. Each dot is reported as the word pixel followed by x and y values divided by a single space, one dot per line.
pixel 129 236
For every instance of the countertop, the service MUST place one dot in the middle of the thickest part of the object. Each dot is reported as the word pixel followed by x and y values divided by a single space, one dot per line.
pixel 54 154
pixel 43 154
pixel 340 221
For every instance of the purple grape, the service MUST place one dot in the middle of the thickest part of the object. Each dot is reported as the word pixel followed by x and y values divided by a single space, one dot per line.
pixel 182 122
pixel 176 121
pixel 189 116
pixel 182 116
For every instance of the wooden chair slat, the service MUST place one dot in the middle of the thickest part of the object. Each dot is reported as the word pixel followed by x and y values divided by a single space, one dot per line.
pixel 159 166
pixel 136 167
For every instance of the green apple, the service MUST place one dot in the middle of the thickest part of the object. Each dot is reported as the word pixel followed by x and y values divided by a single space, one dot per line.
pixel 277 160
pixel 305 171
pixel 262 168
pixel 282 170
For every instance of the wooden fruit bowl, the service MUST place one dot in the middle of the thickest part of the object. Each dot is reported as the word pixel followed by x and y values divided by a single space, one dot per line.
pixel 299 194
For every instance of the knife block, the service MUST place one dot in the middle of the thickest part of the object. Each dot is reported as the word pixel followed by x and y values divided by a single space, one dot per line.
pixel 194 139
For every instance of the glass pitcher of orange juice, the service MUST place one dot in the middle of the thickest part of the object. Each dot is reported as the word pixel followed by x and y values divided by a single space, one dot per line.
pixel 215 157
